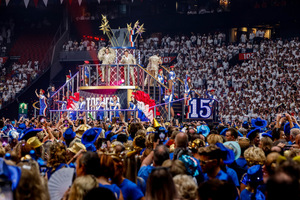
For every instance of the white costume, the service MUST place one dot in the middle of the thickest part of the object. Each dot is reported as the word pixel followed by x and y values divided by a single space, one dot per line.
pixel 154 62
pixel 106 58
pixel 129 60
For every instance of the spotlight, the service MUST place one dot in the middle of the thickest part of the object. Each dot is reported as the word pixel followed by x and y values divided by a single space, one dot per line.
pixel 122 81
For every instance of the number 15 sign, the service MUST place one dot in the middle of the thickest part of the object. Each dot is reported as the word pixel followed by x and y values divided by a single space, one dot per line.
pixel 199 108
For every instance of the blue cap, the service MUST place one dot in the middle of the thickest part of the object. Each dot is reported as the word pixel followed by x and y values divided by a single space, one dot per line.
pixel 10 173
pixel 259 123
pixel 28 133
pixel 245 125
pixel 203 129
pixel 22 126
pixel 7 156
pixel 90 147
pixel 267 134
pixel 230 157
pixel 236 148
pixel 90 135
pixel 287 128
pixel 69 134
pixel 254 174
pixel 253 131
pixel 223 132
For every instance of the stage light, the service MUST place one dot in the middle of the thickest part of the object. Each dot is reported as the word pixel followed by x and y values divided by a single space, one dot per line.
pixel 122 81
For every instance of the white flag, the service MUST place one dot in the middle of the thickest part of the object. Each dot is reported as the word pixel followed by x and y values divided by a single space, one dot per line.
pixel 26 3
pixel 45 2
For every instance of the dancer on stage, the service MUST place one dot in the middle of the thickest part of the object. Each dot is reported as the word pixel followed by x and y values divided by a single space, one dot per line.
pixel 161 79
pixel 43 102
pixel 211 95
pixel 82 106
pixel 169 98
pixel 154 62
pixel 172 79
pixel 107 56
pixel 128 59
pixel 100 106
pixel 132 105
pixel 115 105
pixel 187 88
pixel 86 72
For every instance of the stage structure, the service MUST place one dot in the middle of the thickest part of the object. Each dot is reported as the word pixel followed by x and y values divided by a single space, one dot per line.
pixel 88 81
pixel 105 81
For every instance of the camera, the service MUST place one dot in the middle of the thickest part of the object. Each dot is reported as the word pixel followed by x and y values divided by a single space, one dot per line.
pixel 160 134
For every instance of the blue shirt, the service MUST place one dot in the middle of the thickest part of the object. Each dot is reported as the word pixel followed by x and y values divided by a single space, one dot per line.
pixel 221 176
pixel 145 171
pixel 106 133
pixel 247 195
pixel 233 176
pixel 130 190
pixel 113 187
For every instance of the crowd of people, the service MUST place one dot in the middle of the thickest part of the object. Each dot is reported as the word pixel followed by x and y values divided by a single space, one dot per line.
pixel 85 44
pixel 115 159
pixel 241 87
pixel 17 79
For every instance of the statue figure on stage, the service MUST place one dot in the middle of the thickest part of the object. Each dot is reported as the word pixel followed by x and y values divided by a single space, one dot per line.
pixel 107 56
pixel 128 59
pixel 154 62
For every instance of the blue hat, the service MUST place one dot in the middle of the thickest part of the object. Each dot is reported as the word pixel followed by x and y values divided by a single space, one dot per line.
pixel 7 156
pixel 90 147
pixel 253 131
pixel 229 153
pixel 267 134
pixel 223 132
pixel 69 134
pixel 10 173
pixel 190 164
pixel 28 133
pixel 90 135
pixel 287 128
pixel 245 125
pixel 236 148
pixel 203 129
pixel 254 174
pixel 259 123
pixel 22 126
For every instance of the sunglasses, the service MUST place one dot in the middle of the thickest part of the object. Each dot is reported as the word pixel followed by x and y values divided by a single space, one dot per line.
pixel 205 162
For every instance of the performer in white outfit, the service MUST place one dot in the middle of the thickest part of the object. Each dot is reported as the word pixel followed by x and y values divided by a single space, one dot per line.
pixel 154 62
pixel 107 56
pixel 128 59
